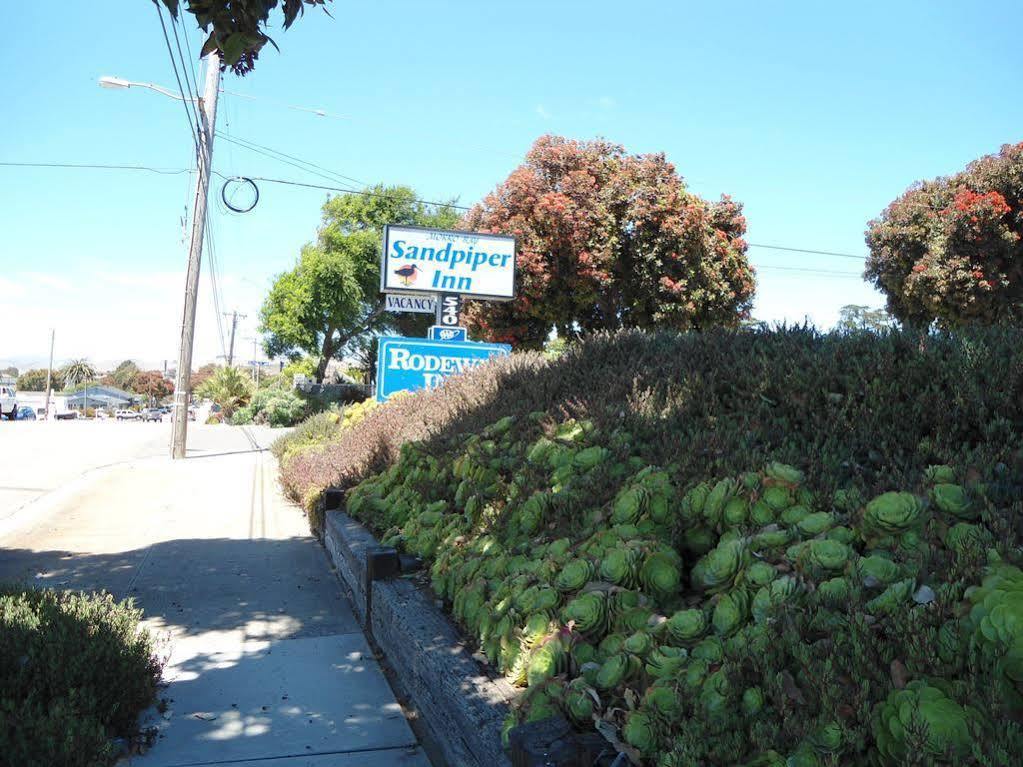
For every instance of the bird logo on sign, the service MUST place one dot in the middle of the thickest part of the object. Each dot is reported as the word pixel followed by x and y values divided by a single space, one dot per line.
pixel 407 274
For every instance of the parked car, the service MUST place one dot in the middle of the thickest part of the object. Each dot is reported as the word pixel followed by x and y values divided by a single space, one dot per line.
pixel 127 415
pixel 26 413
pixel 8 402
pixel 152 414
pixel 66 415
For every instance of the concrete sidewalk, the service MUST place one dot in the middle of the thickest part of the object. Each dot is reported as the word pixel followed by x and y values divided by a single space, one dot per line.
pixel 267 665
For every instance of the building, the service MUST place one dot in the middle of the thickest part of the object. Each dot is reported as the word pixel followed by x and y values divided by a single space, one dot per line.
pixel 106 397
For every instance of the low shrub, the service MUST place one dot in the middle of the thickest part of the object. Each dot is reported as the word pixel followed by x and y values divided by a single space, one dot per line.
pixel 753 547
pixel 862 409
pixel 320 429
pixel 748 619
pixel 242 416
pixel 277 407
pixel 76 671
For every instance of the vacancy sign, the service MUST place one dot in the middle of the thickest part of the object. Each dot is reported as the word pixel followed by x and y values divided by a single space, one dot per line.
pixel 418 260
pixel 418 304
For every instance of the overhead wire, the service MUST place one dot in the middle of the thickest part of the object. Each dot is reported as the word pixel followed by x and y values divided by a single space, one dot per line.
pixel 177 77
pixel 287 159
pixel 95 166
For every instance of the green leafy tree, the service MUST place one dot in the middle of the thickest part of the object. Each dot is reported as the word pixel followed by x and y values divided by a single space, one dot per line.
pixel 950 251
pixel 35 380
pixel 331 298
pixel 237 27
pixel 10 372
pixel 121 375
pixel 853 317
pixel 78 373
pixel 228 387
pixel 609 240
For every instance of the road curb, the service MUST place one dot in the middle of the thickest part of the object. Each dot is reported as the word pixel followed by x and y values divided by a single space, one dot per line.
pixel 461 707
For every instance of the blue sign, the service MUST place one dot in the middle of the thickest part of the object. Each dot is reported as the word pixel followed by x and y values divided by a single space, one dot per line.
pixel 407 364
pixel 445 333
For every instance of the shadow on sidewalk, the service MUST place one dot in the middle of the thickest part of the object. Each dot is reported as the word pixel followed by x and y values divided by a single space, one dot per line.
pixel 236 691
pixel 273 588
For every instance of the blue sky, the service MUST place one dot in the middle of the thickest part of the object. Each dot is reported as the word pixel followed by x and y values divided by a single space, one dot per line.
pixel 814 117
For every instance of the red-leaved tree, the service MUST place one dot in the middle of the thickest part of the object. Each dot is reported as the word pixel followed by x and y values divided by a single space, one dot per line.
pixel 610 240
pixel 951 250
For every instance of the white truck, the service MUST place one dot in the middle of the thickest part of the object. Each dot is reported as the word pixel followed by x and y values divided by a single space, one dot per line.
pixel 8 400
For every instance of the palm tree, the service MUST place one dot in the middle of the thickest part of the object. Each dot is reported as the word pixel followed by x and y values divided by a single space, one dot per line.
pixel 78 371
pixel 229 388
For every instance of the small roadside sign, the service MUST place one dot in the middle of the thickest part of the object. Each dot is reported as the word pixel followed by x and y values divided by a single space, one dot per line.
pixel 443 333
pixel 396 302
pixel 408 364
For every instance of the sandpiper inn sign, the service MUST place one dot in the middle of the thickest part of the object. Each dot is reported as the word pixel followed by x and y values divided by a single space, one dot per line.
pixel 470 264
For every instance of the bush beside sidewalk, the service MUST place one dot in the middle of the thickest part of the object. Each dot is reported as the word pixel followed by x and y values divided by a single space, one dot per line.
pixel 76 670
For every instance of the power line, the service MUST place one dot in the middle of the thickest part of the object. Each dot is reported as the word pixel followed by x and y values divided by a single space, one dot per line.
pixel 317 170
pixel 181 90
pixel 345 190
pixel 805 250
pixel 89 166
pixel 190 85
pixel 809 270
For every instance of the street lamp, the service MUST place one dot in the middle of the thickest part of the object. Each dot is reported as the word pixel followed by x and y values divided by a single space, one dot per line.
pixel 207 109
pixel 119 83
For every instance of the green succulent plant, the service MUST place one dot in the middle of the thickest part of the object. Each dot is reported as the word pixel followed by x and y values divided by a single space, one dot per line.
pixel 778 497
pixel 783 474
pixel 620 566
pixel 828 555
pixel 752 701
pixel 574 575
pixel 815 524
pixel 629 505
pixel 588 612
pixel 730 612
pixel 954 500
pixel 939 474
pixel 580 701
pixel 717 570
pixel 686 627
pixel 665 662
pixel 660 574
pixel 719 495
pixel 893 512
pixel 941 725
pixel 613 672
pixel 639 732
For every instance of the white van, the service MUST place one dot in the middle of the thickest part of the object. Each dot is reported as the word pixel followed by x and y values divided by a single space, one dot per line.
pixel 8 401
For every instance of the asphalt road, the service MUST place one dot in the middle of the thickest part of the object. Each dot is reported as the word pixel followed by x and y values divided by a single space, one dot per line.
pixel 37 457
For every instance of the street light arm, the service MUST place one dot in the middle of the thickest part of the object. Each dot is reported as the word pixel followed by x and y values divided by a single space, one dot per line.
pixel 117 82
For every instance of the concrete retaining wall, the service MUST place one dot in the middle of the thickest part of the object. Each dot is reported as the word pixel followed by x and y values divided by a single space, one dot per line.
pixel 462 708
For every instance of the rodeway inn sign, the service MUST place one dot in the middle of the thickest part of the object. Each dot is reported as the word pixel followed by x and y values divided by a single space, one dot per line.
pixel 407 364
pixel 440 261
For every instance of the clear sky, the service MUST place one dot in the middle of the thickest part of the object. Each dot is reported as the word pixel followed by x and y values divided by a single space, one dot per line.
pixel 814 115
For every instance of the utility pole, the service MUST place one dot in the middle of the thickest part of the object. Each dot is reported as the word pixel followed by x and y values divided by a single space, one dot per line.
pixel 234 324
pixel 255 361
pixel 207 108
pixel 49 372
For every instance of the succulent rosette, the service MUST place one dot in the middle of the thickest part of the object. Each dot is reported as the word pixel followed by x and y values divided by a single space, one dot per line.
pixel 893 512
pixel 924 709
